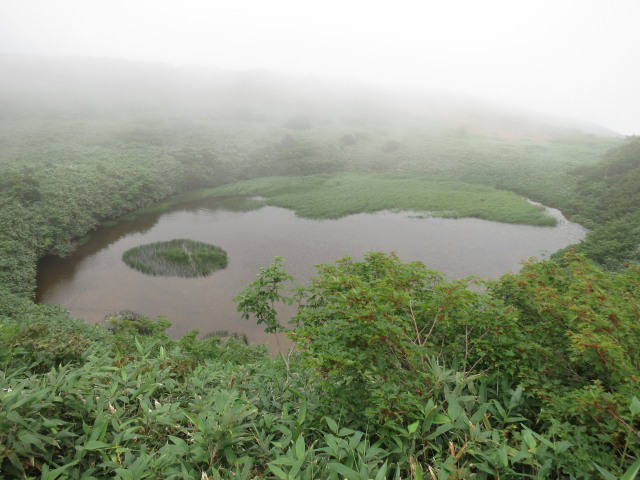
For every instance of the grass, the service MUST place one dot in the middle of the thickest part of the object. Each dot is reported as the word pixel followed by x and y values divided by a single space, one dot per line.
pixel 178 258
pixel 335 196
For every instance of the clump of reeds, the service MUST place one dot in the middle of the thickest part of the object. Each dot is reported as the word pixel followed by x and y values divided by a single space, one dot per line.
pixel 177 258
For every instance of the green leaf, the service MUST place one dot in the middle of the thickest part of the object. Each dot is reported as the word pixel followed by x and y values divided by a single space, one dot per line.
pixel 633 470
pixel 413 427
pixel 529 440
pixel 354 441
pixel 501 411
pixel 562 446
pixel 419 472
pixel 344 470
pixel 332 424
pixel 382 473
pixel 278 472
pixel 441 419
pixel 503 456
pixel 302 415
pixel 95 445
pixel 300 448
pixel 345 431
pixel 635 406
pixel 605 474
pixel 514 401
pixel 54 474
pixel 138 346
pixel 454 410
pixel 440 430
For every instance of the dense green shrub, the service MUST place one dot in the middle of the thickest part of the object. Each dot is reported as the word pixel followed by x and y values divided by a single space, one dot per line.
pixel 369 329
pixel 615 244
pixel 376 333
pixel 584 363
pixel 39 337
pixel 606 197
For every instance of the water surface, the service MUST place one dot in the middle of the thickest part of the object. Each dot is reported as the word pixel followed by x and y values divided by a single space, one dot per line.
pixel 94 280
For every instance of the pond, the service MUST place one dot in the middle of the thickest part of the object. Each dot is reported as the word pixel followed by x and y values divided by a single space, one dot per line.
pixel 94 281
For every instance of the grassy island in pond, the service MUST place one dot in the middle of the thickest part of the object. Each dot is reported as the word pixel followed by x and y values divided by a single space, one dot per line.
pixel 176 258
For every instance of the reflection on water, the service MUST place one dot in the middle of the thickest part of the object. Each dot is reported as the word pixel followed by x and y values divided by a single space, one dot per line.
pixel 94 280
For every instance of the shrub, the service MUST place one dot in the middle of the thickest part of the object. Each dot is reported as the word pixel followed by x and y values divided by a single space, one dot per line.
pixel 583 367
pixel 369 329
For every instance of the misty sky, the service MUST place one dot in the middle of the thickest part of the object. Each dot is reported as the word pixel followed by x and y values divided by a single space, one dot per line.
pixel 574 59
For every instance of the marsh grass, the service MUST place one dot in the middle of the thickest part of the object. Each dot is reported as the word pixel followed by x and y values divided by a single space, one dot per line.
pixel 335 196
pixel 176 258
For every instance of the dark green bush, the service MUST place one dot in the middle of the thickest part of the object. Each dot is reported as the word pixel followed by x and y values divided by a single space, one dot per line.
pixel 582 368
pixel 369 329
pixel 548 358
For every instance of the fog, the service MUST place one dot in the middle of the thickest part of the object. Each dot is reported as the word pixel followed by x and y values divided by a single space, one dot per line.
pixel 574 61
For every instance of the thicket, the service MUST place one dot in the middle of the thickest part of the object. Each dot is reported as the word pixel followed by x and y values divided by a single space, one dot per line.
pixel 608 197
pixel 398 374
pixel 57 186
pixel 602 193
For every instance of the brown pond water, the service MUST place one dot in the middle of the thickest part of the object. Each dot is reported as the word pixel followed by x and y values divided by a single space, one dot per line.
pixel 94 280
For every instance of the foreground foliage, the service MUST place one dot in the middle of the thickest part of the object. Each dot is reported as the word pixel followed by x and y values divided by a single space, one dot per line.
pixel 566 334
pixel 399 374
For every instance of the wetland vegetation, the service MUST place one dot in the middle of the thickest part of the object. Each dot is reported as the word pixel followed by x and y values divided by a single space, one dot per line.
pixel 334 196
pixel 180 258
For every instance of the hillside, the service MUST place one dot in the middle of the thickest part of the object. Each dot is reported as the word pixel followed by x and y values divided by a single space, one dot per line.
pixel 606 196
pixel 64 87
